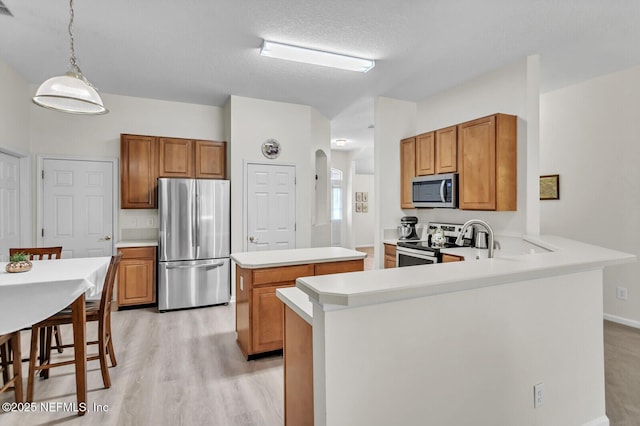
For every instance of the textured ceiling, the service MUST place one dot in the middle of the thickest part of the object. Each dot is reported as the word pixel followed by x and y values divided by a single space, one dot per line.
pixel 201 51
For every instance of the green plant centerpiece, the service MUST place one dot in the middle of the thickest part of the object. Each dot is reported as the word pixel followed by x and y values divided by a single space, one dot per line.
pixel 18 262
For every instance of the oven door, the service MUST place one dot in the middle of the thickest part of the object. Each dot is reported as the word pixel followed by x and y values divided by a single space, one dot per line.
pixel 410 257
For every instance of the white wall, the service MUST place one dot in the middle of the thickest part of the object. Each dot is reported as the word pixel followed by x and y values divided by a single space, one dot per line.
pixel 321 160
pixel 466 358
pixel 363 223
pixel 299 130
pixel 56 133
pixel 393 120
pixel 504 90
pixel 14 110
pixel 343 160
pixel 589 135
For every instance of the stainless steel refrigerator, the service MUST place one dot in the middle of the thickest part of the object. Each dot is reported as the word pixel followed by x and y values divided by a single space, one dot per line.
pixel 194 243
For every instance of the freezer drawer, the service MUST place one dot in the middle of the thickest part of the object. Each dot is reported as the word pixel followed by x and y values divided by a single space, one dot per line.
pixel 193 283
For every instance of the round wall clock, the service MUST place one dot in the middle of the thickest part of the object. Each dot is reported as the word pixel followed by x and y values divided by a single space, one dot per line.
pixel 271 148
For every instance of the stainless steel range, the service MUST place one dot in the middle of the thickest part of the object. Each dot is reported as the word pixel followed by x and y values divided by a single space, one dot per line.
pixel 440 235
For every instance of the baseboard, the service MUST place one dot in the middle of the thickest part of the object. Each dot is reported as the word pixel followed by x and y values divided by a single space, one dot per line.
pixel 621 320
pixel 602 421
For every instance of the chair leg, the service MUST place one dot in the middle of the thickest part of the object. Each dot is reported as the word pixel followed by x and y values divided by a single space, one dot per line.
pixel 32 362
pixel 112 354
pixel 4 363
pixel 58 333
pixel 102 352
pixel 17 366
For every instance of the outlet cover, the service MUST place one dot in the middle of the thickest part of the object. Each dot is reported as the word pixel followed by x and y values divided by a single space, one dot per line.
pixel 538 395
pixel 622 293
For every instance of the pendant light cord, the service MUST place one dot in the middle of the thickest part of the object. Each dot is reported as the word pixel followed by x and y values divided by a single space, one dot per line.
pixel 74 64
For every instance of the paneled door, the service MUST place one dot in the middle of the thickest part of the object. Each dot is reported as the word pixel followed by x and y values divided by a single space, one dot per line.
pixel 77 207
pixel 9 204
pixel 271 207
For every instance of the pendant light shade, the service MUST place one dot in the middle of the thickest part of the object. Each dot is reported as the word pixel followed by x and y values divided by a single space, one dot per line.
pixel 71 92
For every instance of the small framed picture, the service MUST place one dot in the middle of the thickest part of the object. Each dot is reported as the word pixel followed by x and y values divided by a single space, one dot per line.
pixel 365 197
pixel 358 207
pixel 365 207
pixel 550 187
pixel 359 197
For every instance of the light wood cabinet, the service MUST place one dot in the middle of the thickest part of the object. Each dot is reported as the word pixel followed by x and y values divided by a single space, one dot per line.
pixel 451 258
pixel 389 256
pixel 145 158
pixel 425 154
pixel 259 315
pixel 176 158
pixel 210 159
pixel 298 370
pixel 139 172
pixel 487 163
pixel 446 150
pixel 137 276
pixel 407 171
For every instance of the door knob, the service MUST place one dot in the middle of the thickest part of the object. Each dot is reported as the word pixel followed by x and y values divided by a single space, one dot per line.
pixel 253 239
pixel 107 238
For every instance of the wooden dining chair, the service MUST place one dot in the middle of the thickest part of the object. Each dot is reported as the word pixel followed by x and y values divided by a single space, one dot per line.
pixel 44 253
pixel 15 379
pixel 99 311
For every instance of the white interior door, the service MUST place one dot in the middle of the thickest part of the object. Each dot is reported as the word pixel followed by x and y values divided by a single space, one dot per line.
pixel 77 207
pixel 271 207
pixel 9 204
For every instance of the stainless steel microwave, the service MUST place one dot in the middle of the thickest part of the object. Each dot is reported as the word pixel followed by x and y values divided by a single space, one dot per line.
pixel 435 191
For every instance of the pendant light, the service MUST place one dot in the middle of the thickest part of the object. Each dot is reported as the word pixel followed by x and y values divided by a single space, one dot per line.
pixel 71 92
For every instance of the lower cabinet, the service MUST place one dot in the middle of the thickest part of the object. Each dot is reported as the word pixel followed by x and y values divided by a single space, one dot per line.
pixel 137 276
pixel 298 370
pixel 259 315
pixel 389 256
pixel 451 258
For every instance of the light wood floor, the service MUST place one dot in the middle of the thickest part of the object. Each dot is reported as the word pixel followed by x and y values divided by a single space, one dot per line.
pixel 184 368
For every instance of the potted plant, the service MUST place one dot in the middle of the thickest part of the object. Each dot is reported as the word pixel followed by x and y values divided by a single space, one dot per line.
pixel 19 262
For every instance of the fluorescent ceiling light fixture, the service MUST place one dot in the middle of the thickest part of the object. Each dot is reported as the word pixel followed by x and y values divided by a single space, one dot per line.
pixel 315 57
pixel 341 142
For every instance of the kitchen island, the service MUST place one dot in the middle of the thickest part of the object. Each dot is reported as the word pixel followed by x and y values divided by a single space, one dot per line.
pixel 463 342
pixel 258 275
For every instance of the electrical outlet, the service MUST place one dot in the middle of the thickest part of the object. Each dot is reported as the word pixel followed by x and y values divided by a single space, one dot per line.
pixel 622 293
pixel 133 222
pixel 150 222
pixel 538 395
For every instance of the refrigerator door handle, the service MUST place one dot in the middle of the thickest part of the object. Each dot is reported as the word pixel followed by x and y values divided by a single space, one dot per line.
pixel 207 265
pixel 196 221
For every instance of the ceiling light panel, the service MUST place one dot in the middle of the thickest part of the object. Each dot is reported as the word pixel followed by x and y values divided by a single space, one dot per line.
pixel 315 57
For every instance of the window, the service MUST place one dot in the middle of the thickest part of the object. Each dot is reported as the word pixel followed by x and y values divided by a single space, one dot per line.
pixel 336 203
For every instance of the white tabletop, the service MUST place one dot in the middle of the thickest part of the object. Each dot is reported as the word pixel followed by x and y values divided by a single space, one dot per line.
pixel 50 285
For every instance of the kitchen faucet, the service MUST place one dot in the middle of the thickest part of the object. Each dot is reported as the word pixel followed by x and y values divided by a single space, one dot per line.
pixel 459 240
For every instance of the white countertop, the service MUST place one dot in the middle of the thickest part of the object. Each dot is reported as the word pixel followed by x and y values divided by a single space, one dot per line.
pixel 383 285
pixel 136 243
pixel 271 258
pixel 297 300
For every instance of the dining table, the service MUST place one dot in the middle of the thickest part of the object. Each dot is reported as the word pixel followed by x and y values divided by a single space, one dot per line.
pixel 48 287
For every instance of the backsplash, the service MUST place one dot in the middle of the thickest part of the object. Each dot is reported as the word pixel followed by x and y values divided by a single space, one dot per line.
pixel 138 224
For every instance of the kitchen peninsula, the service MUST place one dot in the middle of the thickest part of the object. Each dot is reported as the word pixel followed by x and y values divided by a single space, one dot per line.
pixel 260 273
pixel 462 342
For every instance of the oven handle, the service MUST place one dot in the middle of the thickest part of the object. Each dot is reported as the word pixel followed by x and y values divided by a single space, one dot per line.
pixel 415 253
pixel 442 189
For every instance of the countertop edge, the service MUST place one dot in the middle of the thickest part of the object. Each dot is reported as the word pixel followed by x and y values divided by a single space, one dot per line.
pixel 136 243
pixel 298 301
pixel 310 256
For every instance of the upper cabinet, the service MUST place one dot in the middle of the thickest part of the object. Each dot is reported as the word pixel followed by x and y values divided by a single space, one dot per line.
pixel 145 158
pixel 425 154
pixel 407 171
pixel 176 158
pixel 446 150
pixel 487 162
pixel 210 159
pixel 139 172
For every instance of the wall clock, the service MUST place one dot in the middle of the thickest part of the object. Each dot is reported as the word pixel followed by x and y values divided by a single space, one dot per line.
pixel 271 148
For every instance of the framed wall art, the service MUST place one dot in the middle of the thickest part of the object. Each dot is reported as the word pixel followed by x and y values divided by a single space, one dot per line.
pixel 550 187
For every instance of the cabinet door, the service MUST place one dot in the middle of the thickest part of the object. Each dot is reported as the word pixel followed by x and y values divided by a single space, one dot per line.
pixel 139 172
pixel 176 158
pixel 210 160
pixel 267 318
pixel 446 150
pixel 451 258
pixel 477 164
pixel 136 276
pixel 425 151
pixel 339 267
pixel 389 256
pixel 407 171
